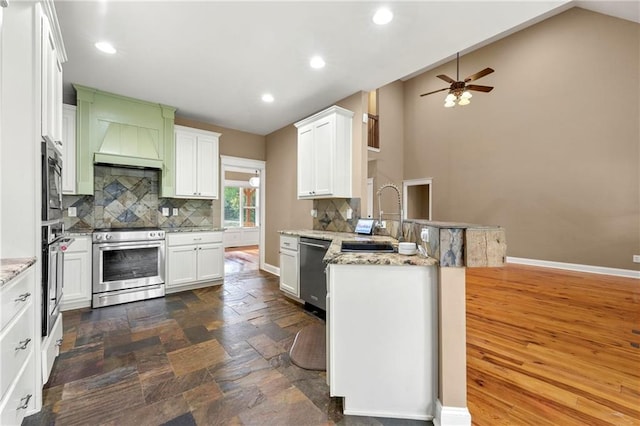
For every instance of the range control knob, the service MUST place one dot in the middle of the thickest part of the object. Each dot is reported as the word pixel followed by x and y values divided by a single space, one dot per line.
pixel 161 234
pixel 107 237
pixel 152 234
pixel 98 237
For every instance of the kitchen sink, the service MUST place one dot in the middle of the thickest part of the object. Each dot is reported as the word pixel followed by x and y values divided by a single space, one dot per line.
pixel 367 246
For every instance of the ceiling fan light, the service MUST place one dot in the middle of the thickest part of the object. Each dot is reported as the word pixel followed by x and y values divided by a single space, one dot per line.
pixel 449 104
pixel 466 94
pixel 450 97
pixel 464 101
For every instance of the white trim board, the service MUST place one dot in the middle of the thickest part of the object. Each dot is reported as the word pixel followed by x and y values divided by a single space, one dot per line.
pixel 627 273
pixel 451 416
pixel 271 269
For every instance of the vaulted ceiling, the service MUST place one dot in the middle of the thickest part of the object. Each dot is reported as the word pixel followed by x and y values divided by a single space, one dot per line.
pixel 214 60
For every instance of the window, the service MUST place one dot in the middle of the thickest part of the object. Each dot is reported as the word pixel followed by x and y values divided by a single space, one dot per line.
pixel 240 206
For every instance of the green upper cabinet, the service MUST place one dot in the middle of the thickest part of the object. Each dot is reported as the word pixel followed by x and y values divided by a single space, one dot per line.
pixel 114 129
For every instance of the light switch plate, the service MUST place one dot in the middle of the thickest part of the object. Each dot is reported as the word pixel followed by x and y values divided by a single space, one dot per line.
pixel 165 211
pixel 636 258
pixel 73 212
pixel 314 213
pixel 349 213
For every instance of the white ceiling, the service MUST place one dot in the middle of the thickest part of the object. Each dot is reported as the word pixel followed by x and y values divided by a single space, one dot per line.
pixel 213 60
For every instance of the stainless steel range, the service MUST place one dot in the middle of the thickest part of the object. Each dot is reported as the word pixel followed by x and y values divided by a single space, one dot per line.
pixel 128 265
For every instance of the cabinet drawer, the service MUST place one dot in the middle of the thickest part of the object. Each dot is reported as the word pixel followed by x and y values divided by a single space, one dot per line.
pixel 16 295
pixel 17 342
pixel 21 398
pixel 81 244
pixel 186 238
pixel 288 242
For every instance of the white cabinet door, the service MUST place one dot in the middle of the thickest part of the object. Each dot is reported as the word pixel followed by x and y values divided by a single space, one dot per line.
pixel 76 290
pixel 207 166
pixel 196 163
pixel 68 149
pixel 305 162
pixel 182 265
pixel 289 272
pixel 51 85
pixel 324 154
pixel 324 151
pixel 210 261
pixel 186 152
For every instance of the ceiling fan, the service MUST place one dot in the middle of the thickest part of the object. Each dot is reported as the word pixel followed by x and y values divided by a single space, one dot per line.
pixel 459 91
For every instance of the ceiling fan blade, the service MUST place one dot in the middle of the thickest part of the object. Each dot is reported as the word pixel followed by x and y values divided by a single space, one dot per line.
pixel 435 91
pixel 446 78
pixel 479 88
pixel 478 75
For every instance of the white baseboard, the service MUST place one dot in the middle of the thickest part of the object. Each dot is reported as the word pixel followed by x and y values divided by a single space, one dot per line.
pixel 271 269
pixel 451 416
pixel 627 273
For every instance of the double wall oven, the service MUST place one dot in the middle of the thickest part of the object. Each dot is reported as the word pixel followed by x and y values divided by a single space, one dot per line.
pixel 128 265
pixel 54 243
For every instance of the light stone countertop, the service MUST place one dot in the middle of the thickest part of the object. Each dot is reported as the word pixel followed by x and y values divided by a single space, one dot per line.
pixel 191 229
pixel 336 257
pixel 11 268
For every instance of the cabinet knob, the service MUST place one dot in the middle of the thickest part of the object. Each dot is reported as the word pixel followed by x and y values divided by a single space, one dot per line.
pixel 59 342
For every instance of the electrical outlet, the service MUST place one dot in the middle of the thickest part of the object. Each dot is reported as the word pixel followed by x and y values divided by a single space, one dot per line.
pixel 636 258
pixel 383 224
pixel 73 212
pixel 349 213
pixel 165 211
pixel 175 211
pixel 314 213
pixel 424 235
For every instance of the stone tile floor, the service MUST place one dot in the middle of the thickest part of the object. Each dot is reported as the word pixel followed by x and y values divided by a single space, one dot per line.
pixel 213 356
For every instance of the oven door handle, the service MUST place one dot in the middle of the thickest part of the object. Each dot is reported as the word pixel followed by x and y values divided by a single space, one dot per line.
pixel 120 246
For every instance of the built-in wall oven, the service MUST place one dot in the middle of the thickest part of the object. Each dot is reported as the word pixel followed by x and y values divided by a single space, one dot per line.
pixel 51 183
pixel 53 247
pixel 128 265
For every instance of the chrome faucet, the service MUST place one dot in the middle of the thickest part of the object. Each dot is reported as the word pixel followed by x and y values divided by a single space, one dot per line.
pixel 400 212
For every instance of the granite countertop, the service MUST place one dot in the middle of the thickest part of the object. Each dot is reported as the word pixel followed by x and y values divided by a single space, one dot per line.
pixel 336 257
pixel 11 268
pixel 192 229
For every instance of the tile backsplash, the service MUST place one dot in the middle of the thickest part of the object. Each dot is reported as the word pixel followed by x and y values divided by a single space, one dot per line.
pixel 332 214
pixel 126 197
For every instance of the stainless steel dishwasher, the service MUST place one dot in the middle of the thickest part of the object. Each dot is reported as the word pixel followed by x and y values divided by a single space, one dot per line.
pixel 313 284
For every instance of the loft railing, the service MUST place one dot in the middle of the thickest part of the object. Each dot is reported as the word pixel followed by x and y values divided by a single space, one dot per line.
pixel 373 140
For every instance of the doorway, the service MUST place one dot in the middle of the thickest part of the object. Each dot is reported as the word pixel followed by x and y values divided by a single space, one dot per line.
pixel 241 205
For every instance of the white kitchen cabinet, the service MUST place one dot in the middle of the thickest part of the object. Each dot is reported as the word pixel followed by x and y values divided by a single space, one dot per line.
pixel 289 265
pixel 51 85
pixel 196 163
pixel 51 349
pixel 76 290
pixel 18 340
pixel 68 149
pixel 400 304
pixel 194 259
pixel 324 154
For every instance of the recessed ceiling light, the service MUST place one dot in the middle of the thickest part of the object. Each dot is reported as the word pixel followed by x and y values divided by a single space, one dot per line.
pixel 317 62
pixel 268 98
pixel 106 47
pixel 383 16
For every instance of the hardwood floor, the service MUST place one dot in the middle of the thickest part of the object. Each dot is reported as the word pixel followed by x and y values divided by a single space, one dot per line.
pixel 549 347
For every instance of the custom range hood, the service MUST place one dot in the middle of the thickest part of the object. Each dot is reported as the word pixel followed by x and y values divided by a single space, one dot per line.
pixel 129 146
pixel 121 131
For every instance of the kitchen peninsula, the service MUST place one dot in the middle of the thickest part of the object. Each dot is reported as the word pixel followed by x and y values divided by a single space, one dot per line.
pixel 396 324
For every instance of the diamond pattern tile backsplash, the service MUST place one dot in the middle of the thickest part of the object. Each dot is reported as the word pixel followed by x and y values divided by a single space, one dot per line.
pixel 332 214
pixel 125 197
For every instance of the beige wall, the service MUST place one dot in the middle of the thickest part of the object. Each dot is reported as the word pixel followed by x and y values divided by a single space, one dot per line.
pixel 234 143
pixel 552 153
pixel 283 209
pixel 387 165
